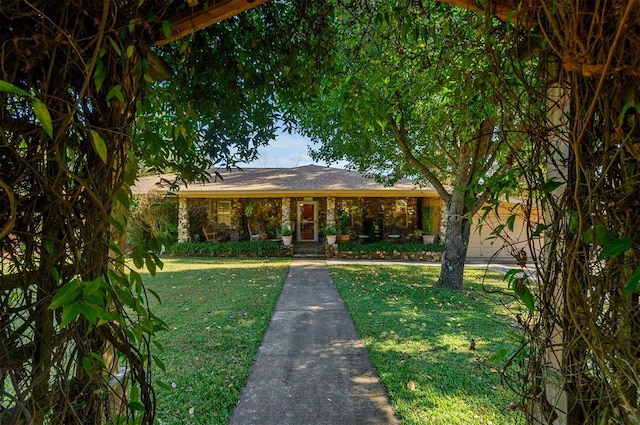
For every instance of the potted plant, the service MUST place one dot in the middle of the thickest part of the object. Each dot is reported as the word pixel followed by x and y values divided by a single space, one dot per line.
pixel 427 236
pixel 330 232
pixel 342 226
pixel 287 235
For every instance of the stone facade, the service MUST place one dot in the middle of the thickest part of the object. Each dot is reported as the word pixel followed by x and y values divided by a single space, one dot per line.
pixel 374 217
pixel 183 220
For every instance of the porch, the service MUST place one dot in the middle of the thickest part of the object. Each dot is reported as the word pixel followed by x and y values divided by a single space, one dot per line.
pixel 309 219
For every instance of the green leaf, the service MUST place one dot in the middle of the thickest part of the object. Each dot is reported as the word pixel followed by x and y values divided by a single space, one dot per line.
pixel 540 228
pixel 151 265
pixel 630 104
pixel 597 235
pixel 498 356
pixel 155 295
pixel 42 114
pixel 136 405
pixel 159 363
pixel 115 46
pixel 633 284
pixel 511 222
pixel 94 291
pixel 116 91
pixel 138 256
pixel 67 293
pixel 511 273
pixel 93 312
pixel 49 246
pixel 166 29
pixel 551 185
pixel 70 313
pixel 130 51
pixel 10 88
pixel 522 291
pixel 613 248
pixel 99 74
pixel 99 145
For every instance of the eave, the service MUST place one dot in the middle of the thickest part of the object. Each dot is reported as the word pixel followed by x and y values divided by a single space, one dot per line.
pixel 188 21
pixel 308 194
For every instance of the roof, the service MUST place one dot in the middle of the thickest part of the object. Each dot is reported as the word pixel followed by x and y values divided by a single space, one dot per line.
pixel 308 180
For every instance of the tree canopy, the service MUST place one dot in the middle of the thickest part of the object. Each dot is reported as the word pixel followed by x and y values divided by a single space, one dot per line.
pixel 219 104
pixel 80 107
pixel 411 94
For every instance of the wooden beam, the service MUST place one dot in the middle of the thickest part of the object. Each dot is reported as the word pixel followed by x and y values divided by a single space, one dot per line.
pixel 198 17
pixel 502 9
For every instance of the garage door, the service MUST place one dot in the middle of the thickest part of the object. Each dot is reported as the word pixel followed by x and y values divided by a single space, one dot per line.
pixel 483 244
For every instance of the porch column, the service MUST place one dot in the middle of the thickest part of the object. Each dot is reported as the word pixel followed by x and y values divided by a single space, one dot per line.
pixel 554 380
pixel 183 220
pixel 286 212
pixel 331 211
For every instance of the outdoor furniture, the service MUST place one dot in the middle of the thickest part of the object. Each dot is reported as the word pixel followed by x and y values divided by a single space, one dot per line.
pixel 215 233
pixel 393 234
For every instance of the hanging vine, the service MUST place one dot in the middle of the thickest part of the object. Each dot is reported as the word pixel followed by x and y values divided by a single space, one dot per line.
pixel 74 328
pixel 580 360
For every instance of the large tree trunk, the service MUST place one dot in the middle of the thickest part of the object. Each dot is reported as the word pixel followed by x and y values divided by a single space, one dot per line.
pixel 456 241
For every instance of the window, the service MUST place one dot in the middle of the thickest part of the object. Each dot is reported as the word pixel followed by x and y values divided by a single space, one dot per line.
pixel 224 213
pixel 400 213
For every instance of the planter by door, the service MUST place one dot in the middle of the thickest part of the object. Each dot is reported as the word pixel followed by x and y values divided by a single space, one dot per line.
pixel 287 240
pixel 427 239
pixel 331 239
pixel 344 238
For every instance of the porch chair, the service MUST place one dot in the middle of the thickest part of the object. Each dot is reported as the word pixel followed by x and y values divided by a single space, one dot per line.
pixel 255 236
pixel 210 231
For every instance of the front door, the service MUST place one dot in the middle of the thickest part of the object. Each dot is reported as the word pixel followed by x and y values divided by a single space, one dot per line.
pixel 307 221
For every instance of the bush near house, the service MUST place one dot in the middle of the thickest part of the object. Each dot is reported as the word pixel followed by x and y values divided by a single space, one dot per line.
pixel 275 248
pixel 390 247
pixel 152 216
pixel 229 249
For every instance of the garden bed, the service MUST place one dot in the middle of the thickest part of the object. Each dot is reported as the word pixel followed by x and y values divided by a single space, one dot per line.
pixel 231 249
pixel 385 251
pixel 347 250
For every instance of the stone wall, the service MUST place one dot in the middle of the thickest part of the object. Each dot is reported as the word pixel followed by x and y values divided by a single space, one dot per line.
pixel 273 212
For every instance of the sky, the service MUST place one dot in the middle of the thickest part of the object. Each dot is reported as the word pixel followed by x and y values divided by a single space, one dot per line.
pixel 287 151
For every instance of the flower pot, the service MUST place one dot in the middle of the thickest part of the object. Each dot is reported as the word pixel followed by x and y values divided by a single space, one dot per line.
pixel 344 238
pixel 331 239
pixel 287 240
pixel 427 239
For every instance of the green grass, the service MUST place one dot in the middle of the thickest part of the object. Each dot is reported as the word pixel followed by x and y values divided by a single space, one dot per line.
pixel 418 335
pixel 217 311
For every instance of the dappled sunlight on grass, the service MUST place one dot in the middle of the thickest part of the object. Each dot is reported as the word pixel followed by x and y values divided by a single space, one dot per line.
pixel 217 311
pixel 420 337
pixel 229 265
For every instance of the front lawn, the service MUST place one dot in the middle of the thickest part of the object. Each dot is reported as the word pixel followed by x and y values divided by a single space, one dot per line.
pixel 420 337
pixel 217 311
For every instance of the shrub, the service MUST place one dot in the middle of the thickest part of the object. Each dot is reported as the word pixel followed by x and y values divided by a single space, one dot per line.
pixel 152 216
pixel 198 216
pixel 227 249
pixel 390 247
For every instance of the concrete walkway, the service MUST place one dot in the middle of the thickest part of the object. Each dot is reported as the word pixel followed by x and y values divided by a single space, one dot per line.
pixel 312 367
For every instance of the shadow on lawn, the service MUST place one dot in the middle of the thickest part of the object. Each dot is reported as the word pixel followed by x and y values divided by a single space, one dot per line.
pixel 419 337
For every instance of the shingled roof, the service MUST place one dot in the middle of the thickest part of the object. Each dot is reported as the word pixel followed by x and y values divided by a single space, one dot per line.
pixel 308 180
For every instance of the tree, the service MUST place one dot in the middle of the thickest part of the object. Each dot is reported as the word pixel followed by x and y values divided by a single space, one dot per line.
pixel 410 95
pixel 74 76
pixel 219 105
pixel 580 352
